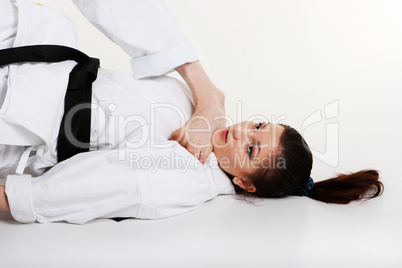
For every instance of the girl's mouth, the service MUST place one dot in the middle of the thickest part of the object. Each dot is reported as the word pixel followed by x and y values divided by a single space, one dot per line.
pixel 225 134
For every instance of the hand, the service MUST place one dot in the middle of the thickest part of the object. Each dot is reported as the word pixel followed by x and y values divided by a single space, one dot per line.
pixel 3 199
pixel 209 115
pixel 196 135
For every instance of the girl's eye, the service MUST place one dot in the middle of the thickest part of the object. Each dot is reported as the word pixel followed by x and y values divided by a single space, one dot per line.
pixel 250 149
pixel 257 126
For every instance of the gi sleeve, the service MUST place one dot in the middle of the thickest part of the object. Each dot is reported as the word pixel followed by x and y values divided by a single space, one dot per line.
pixel 145 29
pixel 173 181
pixel 79 189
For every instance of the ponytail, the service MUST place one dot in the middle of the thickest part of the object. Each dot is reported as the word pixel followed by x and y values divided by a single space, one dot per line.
pixel 346 188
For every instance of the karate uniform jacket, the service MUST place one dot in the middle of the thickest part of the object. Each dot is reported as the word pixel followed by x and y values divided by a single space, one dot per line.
pixel 132 169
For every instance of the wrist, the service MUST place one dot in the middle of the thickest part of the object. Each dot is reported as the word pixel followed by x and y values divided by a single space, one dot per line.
pixel 213 98
pixel 200 84
pixel 190 70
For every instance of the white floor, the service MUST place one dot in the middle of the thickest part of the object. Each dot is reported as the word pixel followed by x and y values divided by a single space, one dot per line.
pixel 291 60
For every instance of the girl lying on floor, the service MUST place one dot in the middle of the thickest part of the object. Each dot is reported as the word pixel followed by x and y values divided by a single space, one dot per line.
pixel 144 158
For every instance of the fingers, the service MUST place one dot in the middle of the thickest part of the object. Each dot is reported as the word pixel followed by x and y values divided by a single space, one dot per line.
pixel 203 155
pixel 200 156
pixel 203 159
pixel 200 153
pixel 190 149
pixel 178 135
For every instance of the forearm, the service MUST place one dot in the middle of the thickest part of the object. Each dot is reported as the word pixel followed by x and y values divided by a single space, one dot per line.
pixel 3 200
pixel 205 93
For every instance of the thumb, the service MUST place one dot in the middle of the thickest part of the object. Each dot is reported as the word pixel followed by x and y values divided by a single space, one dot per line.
pixel 177 135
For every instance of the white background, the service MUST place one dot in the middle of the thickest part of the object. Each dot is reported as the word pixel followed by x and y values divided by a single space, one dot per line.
pixel 278 58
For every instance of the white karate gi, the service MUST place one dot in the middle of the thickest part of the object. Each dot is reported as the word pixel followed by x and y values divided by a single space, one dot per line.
pixel 137 172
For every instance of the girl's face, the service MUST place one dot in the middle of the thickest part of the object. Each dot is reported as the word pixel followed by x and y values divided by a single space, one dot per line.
pixel 243 148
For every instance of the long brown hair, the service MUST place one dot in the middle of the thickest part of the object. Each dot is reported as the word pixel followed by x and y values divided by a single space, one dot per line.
pixel 285 180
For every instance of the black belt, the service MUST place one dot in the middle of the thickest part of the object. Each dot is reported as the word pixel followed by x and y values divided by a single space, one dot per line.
pixel 75 127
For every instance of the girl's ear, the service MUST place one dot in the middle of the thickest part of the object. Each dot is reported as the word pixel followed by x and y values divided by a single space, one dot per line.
pixel 245 184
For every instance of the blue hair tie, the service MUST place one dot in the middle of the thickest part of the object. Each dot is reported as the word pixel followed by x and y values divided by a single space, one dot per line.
pixel 305 189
